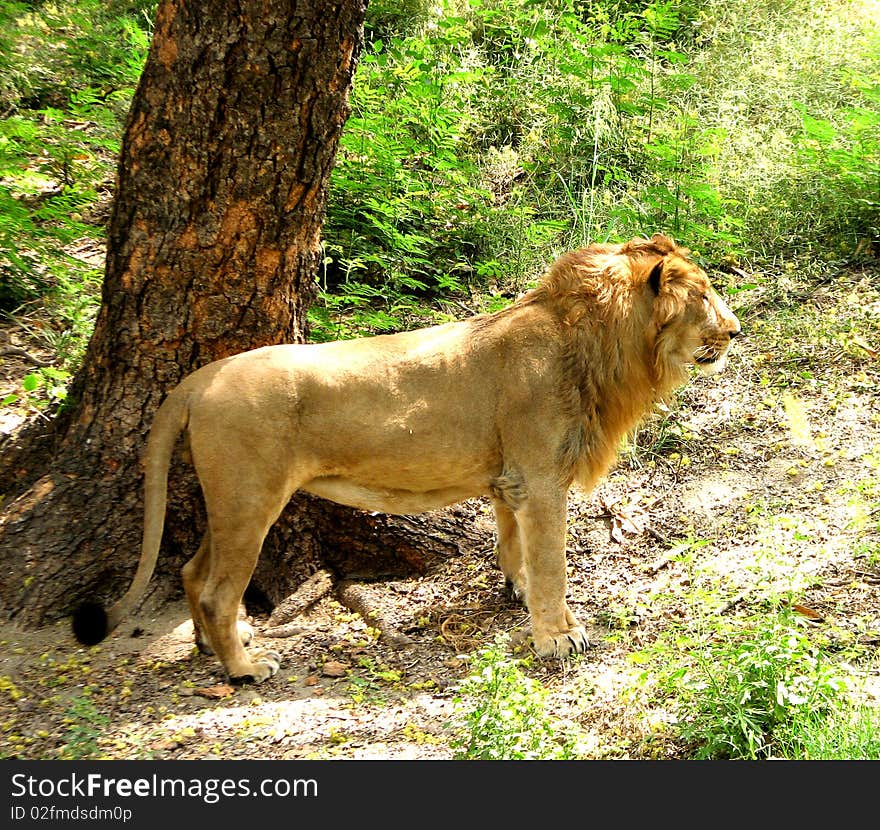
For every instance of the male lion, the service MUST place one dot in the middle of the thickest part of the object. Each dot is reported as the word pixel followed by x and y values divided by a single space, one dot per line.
pixel 517 405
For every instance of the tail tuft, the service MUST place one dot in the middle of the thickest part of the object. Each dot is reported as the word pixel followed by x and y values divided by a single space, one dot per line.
pixel 90 623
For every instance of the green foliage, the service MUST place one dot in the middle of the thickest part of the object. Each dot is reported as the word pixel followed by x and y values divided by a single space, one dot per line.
pixel 501 713
pixel 406 204
pixel 64 96
pixel 841 164
pixel 791 90
pixel 754 689
pixel 489 135
pixel 86 725
pixel 68 73
pixel 485 137
pixel 497 134
pixel 390 18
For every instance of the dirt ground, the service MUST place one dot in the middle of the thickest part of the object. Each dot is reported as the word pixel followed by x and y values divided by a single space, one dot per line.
pixel 759 483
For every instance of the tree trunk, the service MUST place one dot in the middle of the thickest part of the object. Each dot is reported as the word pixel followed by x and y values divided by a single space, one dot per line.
pixel 213 248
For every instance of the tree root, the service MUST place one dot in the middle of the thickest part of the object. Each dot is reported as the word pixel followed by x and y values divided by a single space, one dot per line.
pixel 316 587
pixel 17 351
pixel 356 597
pixel 353 595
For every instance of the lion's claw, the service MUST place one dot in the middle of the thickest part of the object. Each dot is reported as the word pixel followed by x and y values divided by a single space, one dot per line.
pixel 562 645
pixel 265 665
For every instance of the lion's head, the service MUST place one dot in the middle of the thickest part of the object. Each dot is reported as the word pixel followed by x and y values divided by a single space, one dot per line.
pixel 691 324
pixel 646 297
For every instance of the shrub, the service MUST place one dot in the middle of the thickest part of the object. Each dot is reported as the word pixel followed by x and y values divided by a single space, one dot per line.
pixel 751 689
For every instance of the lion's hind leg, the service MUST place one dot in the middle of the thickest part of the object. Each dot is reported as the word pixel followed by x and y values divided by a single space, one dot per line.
pixel 247 476
pixel 243 501
pixel 233 555
pixel 195 572
pixel 508 549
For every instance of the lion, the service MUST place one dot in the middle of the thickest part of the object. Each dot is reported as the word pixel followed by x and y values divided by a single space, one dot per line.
pixel 517 406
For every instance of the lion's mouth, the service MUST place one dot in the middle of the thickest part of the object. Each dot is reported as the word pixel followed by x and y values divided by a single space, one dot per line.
pixel 710 361
pixel 706 355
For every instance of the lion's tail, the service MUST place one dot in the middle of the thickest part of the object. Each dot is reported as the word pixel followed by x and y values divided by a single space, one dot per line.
pixel 91 622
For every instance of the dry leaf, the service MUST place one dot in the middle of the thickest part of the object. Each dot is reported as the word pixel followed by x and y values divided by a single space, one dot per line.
pixel 809 613
pixel 624 522
pixel 865 347
pixel 215 692
pixel 333 668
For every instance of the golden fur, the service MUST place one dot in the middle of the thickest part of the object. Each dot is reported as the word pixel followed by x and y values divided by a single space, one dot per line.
pixel 516 405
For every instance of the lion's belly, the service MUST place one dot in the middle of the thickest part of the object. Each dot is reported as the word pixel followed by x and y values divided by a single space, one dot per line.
pixel 387 500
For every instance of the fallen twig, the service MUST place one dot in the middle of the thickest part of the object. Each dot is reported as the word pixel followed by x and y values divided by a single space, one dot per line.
pixel 23 353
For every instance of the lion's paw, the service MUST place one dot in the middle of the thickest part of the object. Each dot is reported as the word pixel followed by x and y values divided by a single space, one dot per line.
pixel 564 644
pixel 245 635
pixel 516 593
pixel 264 664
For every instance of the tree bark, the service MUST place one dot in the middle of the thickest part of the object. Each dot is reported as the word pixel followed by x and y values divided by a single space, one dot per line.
pixel 213 247
pixel 365 546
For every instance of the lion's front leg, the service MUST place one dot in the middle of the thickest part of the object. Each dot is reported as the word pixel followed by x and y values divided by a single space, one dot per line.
pixel 555 630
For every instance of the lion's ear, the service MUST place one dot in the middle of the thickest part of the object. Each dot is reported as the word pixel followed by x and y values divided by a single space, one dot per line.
pixel 663 244
pixel 655 276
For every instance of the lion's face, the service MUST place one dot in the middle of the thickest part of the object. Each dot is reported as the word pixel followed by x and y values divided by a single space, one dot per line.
pixel 694 325
pixel 719 326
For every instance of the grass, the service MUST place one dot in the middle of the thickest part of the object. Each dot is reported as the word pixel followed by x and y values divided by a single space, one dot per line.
pixel 847 734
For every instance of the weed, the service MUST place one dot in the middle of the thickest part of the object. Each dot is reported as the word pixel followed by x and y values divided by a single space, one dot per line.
pixel 617 617
pixel 85 725
pixel 501 713
pixel 371 685
pixel 869 551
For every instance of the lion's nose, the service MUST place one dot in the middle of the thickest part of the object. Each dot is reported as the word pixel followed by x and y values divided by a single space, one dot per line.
pixel 734 333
